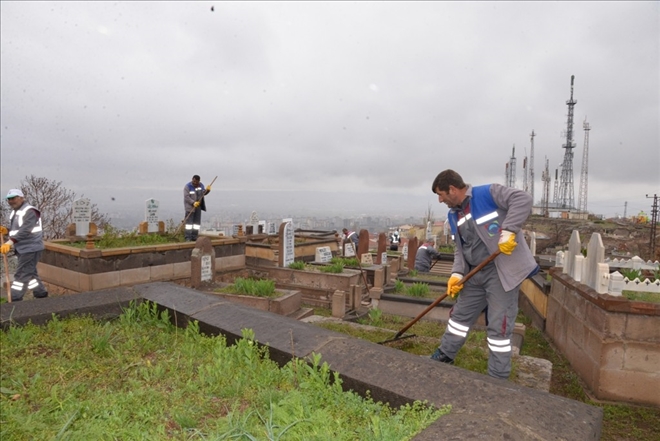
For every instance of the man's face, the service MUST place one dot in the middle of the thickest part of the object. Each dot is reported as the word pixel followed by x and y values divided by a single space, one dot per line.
pixel 450 197
pixel 195 182
pixel 15 202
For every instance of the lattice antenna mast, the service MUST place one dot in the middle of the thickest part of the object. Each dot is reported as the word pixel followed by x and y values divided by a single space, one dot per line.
pixel 655 216
pixel 584 174
pixel 511 169
pixel 555 194
pixel 531 166
pixel 566 190
pixel 525 173
pixel 545 198
pixel 625 210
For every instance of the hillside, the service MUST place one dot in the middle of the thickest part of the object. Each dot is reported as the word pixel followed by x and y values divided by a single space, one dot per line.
pixel 621 238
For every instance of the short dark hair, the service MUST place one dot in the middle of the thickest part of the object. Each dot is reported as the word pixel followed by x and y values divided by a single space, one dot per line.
pixel 196 177
pixel 445 179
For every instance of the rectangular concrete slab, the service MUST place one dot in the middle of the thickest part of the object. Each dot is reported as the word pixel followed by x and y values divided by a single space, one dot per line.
pixel 99 304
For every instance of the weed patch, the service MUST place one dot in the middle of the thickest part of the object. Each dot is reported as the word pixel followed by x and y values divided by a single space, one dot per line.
pixel 139 377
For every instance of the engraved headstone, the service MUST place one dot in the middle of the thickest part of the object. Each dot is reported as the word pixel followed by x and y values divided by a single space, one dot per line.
pixel 202 262
pixel 367 259
pixel 271 228
pixel 349 250
pixel 82 216
pixel 287 249
pixel 207 270
pixel 151 215
pixel 234 230
pixel 323 255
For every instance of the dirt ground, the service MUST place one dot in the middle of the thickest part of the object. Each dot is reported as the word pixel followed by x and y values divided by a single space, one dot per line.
pixel 621 238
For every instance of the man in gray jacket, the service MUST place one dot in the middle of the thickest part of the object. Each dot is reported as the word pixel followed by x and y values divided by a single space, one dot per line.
pixel 426 253
pixel 26 237
pixel 483 220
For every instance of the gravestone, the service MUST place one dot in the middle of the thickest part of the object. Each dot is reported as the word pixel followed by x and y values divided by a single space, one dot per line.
pixel 235 230
pixel 363 242
pixel 271 228
pixel 429 231
pixel 412 252
pixel 595 256
pixel 383 258
pixel 262 227
pixel 202 262
pixel 367 259
pixel 286 245
pixel 323 255
pixel 382 248
pixel 82 216
pixel 404 251
pixel 151 223
pixel 151 215
pixel 349 250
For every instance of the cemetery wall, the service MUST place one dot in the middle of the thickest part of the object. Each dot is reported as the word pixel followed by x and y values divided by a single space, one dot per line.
pixel 78 270
pixel 612 343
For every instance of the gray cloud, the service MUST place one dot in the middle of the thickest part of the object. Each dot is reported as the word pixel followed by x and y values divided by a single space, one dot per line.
pixel 132 98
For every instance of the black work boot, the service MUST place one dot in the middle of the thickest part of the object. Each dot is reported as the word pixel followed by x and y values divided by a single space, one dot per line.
pixel 440 356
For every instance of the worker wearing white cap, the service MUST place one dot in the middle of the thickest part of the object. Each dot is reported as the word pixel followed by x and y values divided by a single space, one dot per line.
pixel 26 238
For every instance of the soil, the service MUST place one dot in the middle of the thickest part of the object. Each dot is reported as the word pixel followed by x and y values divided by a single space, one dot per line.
pixel 621 238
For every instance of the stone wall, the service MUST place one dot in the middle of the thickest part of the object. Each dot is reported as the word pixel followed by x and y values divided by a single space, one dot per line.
pixel 75 270
pixel 611 342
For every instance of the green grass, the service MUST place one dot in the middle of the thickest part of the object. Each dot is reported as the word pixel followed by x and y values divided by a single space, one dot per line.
pixel 251 287
pixel 115 238
pixel 642 296
pixel 140 378
pixel 621 422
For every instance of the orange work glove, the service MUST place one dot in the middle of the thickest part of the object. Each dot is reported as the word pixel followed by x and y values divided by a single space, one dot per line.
pixel 4 249
pixel 3 230
pixel 196 204
pixel 507 242
pixel 452 285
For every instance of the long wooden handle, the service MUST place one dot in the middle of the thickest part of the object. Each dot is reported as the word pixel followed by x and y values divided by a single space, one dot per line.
pixel 6 261
pixel 465 278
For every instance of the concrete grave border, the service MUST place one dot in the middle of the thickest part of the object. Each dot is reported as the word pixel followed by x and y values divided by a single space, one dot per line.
pixel 482 407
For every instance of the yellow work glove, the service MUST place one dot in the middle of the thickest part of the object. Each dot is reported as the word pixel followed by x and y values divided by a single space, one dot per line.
pixel 3 230
pixel 452 285
pixel 507 242
pixel 196 204
pixel 208 188
pixel 4 249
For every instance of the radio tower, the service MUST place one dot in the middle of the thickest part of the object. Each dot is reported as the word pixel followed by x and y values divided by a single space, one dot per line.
pixel 566 190
pixel 525 173
pixel 531 167
pixel 545 199
pixel 584 174
pixel 555 193
pixel 511 170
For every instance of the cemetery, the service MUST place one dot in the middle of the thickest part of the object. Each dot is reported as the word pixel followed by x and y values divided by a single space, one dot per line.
pixel 612 343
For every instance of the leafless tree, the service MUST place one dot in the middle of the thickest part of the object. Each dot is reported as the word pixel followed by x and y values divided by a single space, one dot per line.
pixel 55 203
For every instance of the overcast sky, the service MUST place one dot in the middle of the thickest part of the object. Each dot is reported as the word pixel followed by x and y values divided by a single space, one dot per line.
pixel 337 99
